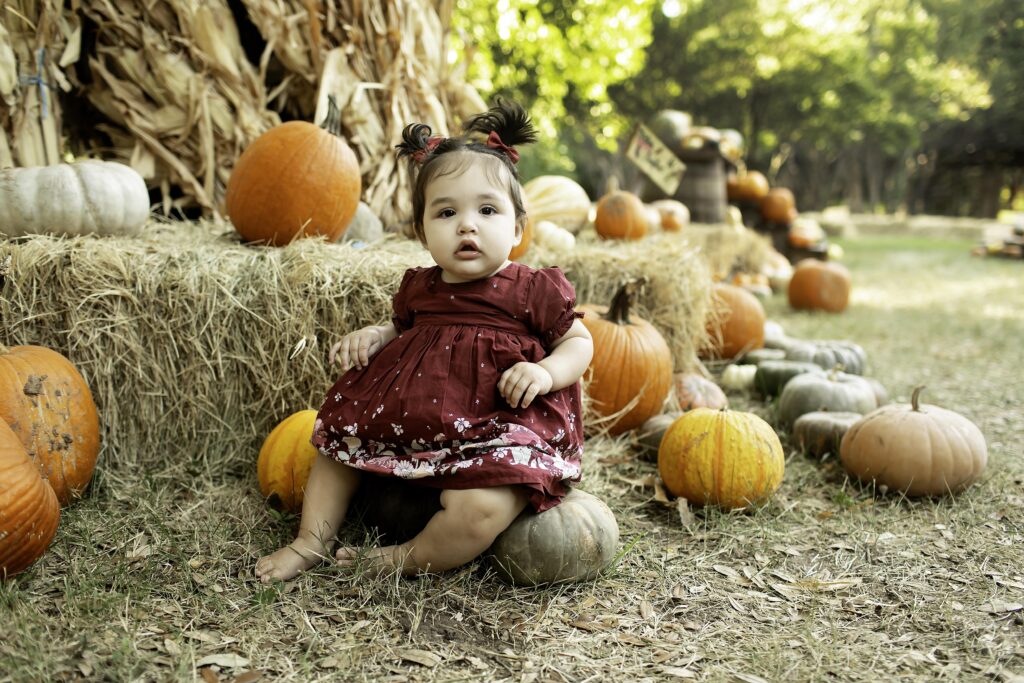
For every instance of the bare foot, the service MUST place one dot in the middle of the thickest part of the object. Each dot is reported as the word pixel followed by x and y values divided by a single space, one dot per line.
pixel 289 561
pixel 373 561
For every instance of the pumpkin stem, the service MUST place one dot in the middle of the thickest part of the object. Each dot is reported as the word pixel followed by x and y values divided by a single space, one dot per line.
pixel 618 310
pixel 914 398
pixel 332 122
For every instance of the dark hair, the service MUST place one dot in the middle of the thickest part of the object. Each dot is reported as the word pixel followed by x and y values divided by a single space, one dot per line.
pixel 426 154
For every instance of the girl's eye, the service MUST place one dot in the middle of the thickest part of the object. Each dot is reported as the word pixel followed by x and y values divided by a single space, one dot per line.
pixel 488 211
pixel 446 213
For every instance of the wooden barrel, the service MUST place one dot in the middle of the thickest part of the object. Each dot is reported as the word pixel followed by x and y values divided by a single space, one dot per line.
pixel 703 187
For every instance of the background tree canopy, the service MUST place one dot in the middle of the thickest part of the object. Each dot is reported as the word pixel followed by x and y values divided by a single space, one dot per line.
pixel 880 104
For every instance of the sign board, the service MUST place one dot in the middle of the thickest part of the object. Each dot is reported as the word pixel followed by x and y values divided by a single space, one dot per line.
pixel 655 159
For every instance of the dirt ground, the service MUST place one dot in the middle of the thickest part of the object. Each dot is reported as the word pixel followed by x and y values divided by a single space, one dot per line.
pixel 149 578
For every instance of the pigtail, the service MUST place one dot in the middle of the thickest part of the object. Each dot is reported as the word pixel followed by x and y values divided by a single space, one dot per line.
pixel 507 123
pixel 417 143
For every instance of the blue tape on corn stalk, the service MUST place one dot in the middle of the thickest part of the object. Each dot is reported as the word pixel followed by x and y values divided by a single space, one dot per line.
pixel 38 80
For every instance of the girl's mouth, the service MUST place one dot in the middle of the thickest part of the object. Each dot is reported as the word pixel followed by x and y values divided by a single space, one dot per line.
pixel 467 250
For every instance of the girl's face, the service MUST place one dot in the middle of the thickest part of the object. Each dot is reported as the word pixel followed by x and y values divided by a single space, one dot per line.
pixel 469 223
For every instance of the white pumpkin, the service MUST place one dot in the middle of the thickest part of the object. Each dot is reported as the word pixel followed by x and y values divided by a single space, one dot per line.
pixel 100 197
pixel 549 235
pixel 557 199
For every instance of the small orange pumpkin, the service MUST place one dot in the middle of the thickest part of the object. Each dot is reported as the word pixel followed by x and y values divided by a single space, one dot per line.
pixel 727 458
pixel 520 249
pixel 819 286
pixel 621 215
pixel 295 180
pixel 29 510
pixel 697 391
pixel 736 322
pixel 285 460
pixel 631 362
pixel 747 187
pixel 48 405
pixel 779 206
pixel 673 215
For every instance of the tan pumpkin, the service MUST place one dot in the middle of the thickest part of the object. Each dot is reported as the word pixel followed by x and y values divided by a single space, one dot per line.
pixel 285 459
pixel 572 541
pixel 673 215
pixel 917 449
pixel 722 457
pixel 296 180
pixel 29 510
pixel 779 206
pixel 621 215
pixel 696 391
pixel 735 324
pixel 819 286
pixel 751 186
pixel 558 199
pixel 86 197
pixel 48 405
pixel 632 362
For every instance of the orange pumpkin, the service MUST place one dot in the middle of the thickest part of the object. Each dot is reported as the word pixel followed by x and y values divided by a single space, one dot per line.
pixel 735 324
pixel 779 206
pixel 673 215
pixel 723 457
pixel 48 405
pixel 524 244
pixel 285 460
pixel 631 362
pixel 621 215
pixel 746 187
pixel 295 180
pixel 29 510
pixel 697 391
pixel 819 286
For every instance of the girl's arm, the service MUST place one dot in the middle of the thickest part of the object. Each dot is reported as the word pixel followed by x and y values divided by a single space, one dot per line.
pixel 570 356
pixel 356 348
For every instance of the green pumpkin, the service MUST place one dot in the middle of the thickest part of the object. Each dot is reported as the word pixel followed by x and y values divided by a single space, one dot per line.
pixel 772 375
pixel 572 541
pixel 834 391
pixel 821 432
pixel 829 354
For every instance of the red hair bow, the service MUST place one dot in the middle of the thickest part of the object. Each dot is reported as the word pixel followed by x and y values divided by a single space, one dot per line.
pixel 420 155
pixel 494 142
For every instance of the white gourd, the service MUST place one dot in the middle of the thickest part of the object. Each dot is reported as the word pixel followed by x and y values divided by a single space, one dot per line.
pixel 98 197
pixel 557 199
pixel 549 235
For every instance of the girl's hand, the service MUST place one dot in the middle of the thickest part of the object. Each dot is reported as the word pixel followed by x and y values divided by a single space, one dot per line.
pixel 523 382
pixel 357 348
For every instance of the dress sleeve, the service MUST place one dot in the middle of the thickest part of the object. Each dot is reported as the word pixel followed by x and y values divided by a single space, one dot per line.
pixel 401 315
pixel 551 302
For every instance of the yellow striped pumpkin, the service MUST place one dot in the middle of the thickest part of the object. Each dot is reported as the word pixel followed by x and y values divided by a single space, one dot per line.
pixel 285 459
pixel 727 458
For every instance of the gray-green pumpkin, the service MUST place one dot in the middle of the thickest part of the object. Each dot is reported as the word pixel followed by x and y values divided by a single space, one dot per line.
pixel 833 391
pixel 772 375
pixel 829 354
pixel 822 431
pixel 572 541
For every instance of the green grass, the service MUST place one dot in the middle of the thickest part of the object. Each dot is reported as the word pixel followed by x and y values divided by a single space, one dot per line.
pixel 150 575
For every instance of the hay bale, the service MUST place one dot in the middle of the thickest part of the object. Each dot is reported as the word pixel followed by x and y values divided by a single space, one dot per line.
pixel 195 345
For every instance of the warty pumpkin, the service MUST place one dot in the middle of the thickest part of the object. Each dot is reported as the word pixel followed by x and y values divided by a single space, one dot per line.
pixel 917 449
pixel 86 197
pixel 285 459
pixel 572 541
pixel 48 405
pixel 558 199
pixel 621 215
pixel 727 458
pixel 696 391
pixel 819 286
pixel 295 180
pixel 632 362
pixel 549 235
pixel 29 510
pixel 735 324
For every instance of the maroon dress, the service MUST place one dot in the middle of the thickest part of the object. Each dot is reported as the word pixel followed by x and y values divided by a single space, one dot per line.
pixel 427 406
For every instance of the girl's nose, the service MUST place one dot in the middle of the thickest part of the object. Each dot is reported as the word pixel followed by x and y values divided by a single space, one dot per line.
pixel 466 224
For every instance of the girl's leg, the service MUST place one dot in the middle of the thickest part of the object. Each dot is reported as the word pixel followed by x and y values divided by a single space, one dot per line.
pixel 325 501
pixel 462 530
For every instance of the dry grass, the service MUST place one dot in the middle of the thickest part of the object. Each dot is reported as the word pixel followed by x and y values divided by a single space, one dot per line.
pixel 149 576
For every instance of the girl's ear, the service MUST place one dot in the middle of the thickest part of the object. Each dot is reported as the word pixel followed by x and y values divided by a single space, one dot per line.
pixel 520 230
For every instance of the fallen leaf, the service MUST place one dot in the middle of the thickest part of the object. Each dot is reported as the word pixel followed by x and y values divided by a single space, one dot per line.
pixel 171 647
pixel 659 491
pixel 209 675
pixel 685 516
pixel 646 610
pixel 678 672
pixel 422 657
pixel 1001 606
pixel 248 677
pixel 750 678
pixel 227 659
